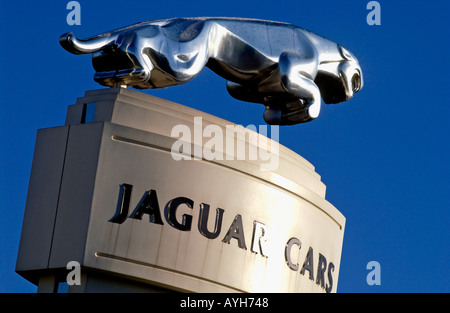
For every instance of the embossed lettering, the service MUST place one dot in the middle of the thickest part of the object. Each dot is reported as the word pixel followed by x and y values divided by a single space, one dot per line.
pixel 236 231
pixel 171 209
pixel 203 222
pixel 148 205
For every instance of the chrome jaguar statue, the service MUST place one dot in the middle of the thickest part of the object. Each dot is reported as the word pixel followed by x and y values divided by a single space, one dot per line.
pixel 284 67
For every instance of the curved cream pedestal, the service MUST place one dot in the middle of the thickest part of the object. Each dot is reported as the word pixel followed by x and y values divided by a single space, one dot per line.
pixel 105 191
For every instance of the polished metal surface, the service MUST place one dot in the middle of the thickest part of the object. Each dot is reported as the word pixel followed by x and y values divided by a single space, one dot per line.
pixel 284 67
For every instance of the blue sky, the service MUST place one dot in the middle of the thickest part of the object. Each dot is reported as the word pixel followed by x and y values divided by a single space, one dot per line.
pixel 384 155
